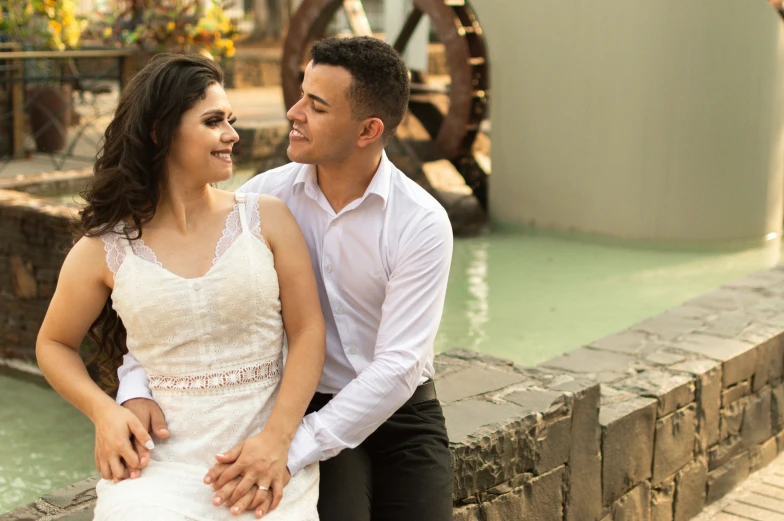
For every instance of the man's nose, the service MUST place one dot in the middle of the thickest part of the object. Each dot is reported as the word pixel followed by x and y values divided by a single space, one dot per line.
pixel 296 113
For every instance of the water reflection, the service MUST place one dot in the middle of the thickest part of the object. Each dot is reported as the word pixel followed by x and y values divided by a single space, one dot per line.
pixel 477 306
pixel 529 297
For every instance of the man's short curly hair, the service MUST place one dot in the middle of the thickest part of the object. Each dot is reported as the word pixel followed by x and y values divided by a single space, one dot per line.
pixel 379 86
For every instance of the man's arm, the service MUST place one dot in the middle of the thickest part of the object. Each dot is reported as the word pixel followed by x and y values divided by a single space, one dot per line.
pixel 410 317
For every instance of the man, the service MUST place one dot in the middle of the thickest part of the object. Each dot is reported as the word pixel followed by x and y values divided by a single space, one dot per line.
pixel 381 249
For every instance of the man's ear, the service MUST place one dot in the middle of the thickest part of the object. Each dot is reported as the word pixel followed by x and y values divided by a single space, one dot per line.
pixel 372 131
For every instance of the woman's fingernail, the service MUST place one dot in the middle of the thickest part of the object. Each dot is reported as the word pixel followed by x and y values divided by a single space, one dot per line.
pixel 150 445
pixel 207 479
pixel 217 500
pixel 259 513
pixel 236 510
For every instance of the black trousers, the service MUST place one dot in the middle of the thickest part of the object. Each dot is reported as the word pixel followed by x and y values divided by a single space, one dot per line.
pixel 401 472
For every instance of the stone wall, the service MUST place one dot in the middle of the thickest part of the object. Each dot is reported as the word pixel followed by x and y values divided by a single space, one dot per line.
pixel 34 236
pixel 48 184
pixel 649 424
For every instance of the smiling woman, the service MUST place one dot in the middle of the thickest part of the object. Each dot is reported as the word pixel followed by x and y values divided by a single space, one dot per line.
pixel 200 302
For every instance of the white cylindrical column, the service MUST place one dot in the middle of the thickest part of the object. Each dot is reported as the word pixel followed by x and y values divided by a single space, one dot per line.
pixel 636 119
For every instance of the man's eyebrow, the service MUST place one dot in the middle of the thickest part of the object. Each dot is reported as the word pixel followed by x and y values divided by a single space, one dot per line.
pixel 316 98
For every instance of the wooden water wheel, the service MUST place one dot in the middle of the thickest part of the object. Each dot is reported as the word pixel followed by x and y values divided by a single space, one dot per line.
pixel 452 130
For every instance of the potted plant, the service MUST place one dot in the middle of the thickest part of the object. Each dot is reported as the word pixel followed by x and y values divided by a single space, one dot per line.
pixel 39 25
pixel 168 26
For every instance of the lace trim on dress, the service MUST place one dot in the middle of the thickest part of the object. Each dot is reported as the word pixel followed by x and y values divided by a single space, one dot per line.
pixel 231 231
pixel 267 371
pixel 115 252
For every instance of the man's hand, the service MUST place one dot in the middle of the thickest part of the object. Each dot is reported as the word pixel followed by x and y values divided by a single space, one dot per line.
pixel 114 452
pixel 254 471
pixel 151 417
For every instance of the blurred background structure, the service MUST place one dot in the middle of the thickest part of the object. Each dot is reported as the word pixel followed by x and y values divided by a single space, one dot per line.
pixel 628 154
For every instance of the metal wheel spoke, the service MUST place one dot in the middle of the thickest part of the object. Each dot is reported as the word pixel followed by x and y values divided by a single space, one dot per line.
pixel 357 17
pixel 408 29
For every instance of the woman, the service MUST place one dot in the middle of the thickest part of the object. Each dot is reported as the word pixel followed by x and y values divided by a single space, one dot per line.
pixel 199 286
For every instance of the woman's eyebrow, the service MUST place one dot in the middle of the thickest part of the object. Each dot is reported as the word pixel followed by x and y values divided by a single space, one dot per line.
pixel 216 112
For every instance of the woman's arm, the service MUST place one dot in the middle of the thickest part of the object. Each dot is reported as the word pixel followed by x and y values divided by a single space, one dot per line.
pixel 262 460
pixel 82 290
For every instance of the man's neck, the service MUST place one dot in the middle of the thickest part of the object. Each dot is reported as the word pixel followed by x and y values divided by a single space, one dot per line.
pixel 347 181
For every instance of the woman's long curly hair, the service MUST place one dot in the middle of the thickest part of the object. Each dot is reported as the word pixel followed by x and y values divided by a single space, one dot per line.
pixel 130 174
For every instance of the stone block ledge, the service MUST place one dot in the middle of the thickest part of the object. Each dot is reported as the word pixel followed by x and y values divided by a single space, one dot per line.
pixel 653 422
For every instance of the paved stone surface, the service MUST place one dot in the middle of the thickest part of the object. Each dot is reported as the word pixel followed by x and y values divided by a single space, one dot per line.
pixel 474 381
pixel 759 498
pixel 672 391
pixel 585 360
pixel 537 400
pixel 740 358
pixel 465 418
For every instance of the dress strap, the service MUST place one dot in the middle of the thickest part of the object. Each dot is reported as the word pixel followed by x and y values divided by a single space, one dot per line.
pixel 123 238
pixel 240 198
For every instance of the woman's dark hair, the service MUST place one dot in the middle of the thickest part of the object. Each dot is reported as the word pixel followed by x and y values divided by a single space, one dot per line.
pixel 129 171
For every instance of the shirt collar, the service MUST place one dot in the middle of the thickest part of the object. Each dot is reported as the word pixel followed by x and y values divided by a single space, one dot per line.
pixel 379 185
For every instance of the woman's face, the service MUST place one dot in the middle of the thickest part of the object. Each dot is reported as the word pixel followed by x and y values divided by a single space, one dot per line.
pixel 201 148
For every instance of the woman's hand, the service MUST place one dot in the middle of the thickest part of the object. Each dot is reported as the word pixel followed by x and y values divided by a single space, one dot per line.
pixel 115 457
pixel 260 461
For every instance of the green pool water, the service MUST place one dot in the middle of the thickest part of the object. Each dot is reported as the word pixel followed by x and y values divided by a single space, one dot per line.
pixel 515 294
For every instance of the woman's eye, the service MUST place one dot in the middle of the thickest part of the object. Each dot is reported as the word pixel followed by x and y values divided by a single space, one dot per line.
pixel 232 121
pixel 213 122
pixel 316 109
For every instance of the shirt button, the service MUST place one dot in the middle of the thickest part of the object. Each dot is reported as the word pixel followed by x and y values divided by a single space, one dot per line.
pixel 352 350
pixel 339 310
pixel 196 286
pixel 334 222
pixel 329 269
pixel 206 338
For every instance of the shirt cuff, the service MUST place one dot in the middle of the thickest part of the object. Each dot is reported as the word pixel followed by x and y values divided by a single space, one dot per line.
pixel 303 451
pixel 133 386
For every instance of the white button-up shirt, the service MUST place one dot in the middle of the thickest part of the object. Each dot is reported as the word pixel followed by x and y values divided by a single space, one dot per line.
pixel 381 266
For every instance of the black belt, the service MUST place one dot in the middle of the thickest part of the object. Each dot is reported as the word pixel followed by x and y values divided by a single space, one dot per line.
pixel 423 393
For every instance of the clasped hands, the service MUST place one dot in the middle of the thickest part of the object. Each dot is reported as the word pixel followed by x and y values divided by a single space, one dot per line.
pixel 250 476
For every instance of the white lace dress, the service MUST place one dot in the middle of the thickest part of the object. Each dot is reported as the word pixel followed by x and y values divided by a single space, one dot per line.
pixel 212 347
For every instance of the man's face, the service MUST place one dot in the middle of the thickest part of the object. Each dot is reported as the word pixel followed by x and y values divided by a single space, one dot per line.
pixel 324 131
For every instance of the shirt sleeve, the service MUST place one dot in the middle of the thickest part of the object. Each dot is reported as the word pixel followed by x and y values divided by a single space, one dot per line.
pixel 134 382
pixel 409 321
